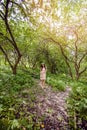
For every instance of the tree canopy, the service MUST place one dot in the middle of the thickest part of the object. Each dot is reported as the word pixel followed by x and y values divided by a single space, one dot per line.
pixel 25 24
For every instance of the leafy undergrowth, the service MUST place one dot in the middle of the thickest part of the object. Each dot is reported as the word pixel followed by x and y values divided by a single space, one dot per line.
pixel 13 115
pixel 57 82
pixel 77 105
pixel 19 105
pixel 18 99
pixel 77 101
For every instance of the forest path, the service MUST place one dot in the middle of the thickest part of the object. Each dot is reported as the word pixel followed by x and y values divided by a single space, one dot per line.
pixel 52 105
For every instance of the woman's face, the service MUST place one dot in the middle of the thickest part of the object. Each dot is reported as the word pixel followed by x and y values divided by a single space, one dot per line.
pixel 43 65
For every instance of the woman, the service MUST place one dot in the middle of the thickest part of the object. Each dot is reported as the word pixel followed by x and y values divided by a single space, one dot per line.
pixel 43 75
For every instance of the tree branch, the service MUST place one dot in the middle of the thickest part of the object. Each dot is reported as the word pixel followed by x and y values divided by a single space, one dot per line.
pixel 85 54
pixel 14 43
pixel 3 4
pixel 6 9
pixel 65 57
pixel 1 16
pixel 18 6
pixel 6 37
pixel 6 56
pixel 83 71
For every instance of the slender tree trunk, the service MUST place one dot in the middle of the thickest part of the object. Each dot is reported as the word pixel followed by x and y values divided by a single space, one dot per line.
pixel 14 70
pixel 65 57
pixel 66 60
pixel 12 41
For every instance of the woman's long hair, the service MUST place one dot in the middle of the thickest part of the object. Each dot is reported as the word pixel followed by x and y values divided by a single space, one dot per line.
pixel 42 66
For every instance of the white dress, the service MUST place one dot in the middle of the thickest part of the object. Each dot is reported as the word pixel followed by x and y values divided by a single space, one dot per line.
pixel 43 74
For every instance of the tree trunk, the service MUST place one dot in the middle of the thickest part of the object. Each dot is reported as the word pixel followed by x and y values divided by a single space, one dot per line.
pixel 65 57
pixel 14 70
pixel 12 41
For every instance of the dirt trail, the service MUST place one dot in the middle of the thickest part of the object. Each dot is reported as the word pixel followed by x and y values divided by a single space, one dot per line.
pixel 52 105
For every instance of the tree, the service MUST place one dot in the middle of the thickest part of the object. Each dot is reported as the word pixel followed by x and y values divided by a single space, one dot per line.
pixel 6 12
pixel 65 25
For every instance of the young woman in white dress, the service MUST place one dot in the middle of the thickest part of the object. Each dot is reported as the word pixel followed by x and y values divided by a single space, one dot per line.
pixel 43 75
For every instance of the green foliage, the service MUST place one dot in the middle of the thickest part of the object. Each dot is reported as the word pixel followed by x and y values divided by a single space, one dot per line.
pixel 16 82
pixel 56 82
pixel 77 105
pixel 12 100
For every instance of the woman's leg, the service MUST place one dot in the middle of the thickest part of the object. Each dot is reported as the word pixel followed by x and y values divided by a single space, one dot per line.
pixel 41 82
pixel 44 83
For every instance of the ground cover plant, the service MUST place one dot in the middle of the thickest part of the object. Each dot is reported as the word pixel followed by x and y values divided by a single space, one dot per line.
pixel 57 81
pixel 12 100
pixel 18 94
pixel 77 105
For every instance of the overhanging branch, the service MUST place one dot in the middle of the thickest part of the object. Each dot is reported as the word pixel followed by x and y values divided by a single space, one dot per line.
pixel 84 55
pixel 6 37
pixel 83 71
pixel 6 56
